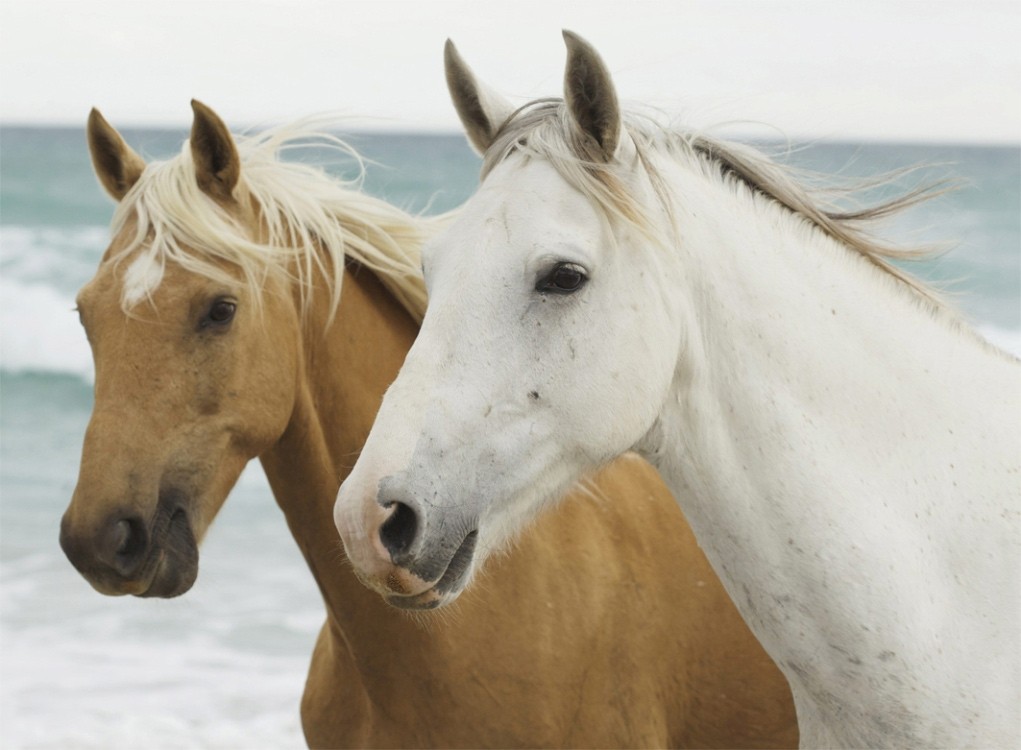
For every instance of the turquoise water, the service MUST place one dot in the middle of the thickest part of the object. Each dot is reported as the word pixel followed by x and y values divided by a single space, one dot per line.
pixel 224 665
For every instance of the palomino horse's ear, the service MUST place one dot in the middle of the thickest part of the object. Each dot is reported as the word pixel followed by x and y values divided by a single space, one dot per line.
pixel 117 166
pixel 590 95
pixel 217 164
pixel 482 111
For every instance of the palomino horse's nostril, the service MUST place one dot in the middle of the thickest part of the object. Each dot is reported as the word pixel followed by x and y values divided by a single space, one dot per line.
pixel 398 531
pixel 125 545
pixel 119 537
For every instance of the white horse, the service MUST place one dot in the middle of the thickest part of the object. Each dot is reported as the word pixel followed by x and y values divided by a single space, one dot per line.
pixel 845 449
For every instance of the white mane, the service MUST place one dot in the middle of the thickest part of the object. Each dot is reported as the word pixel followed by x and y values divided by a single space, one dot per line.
pixel 310 222
pixel 544 129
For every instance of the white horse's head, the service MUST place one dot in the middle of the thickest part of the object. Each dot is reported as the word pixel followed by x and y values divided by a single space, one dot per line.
pixel 548 348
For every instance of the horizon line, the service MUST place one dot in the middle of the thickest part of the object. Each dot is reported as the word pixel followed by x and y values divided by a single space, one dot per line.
pixel 392 128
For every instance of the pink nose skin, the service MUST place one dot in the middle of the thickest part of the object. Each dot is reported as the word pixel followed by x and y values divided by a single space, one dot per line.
pixel 398 586
pixel 387 553
pixel 372 560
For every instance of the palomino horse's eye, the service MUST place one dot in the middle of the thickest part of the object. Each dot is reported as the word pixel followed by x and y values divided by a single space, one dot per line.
pixel 565 278
pixel 220 314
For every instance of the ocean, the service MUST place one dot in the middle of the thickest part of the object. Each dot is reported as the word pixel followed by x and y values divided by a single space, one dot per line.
pixel 224 665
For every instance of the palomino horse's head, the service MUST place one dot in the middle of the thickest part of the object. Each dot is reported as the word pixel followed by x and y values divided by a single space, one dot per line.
pixel 547 349
pixel 196 362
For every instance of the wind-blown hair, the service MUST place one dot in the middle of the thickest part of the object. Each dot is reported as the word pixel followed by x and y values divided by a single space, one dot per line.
pixel 544 129
pixel 308 222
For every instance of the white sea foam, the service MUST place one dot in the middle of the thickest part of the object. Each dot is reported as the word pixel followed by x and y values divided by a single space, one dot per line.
pixel 61 257
pixel 41 271
pixel 108 693
pixel 40 331
pixel 223 666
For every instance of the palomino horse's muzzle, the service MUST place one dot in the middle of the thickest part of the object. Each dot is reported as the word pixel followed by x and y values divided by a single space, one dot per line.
pixel 126 554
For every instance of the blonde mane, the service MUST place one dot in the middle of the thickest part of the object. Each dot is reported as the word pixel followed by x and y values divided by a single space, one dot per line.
pixel 310 222
pixel 544 129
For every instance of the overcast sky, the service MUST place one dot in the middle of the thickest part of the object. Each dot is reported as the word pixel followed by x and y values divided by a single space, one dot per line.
pixel 933 70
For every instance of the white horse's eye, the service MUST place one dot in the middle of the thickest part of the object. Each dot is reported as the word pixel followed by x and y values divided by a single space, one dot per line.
pixel 564 278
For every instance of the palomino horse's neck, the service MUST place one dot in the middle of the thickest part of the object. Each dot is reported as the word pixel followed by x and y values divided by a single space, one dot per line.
pixel 843 453
pixel 345 369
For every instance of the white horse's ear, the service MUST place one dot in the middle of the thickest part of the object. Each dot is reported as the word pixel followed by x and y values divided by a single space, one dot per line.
pixel 482 111
pixel 217 164
pixel 117 166
pixel 590 95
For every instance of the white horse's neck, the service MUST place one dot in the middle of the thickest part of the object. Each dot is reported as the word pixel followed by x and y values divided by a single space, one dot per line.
pixel 842 454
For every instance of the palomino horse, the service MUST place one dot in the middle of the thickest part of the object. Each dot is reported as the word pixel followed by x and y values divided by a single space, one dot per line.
pixel 220 334
pixel 845 449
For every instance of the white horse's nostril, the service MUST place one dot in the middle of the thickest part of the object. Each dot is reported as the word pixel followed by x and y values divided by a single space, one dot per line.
pixel 397 533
